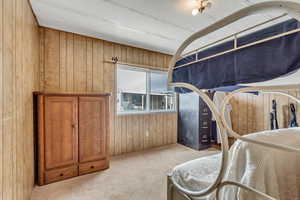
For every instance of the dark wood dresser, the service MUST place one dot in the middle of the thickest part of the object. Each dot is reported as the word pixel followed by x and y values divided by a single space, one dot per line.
pixel 73 135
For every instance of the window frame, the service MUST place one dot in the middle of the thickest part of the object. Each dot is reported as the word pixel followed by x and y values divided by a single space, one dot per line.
pixel 148 91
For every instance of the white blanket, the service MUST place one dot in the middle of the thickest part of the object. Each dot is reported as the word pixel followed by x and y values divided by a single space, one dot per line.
pixel 271 171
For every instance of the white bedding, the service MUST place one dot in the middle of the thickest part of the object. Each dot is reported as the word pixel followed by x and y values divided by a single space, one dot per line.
pixel 271 171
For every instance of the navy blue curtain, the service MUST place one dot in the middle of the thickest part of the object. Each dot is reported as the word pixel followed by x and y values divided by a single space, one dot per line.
pixel 257 63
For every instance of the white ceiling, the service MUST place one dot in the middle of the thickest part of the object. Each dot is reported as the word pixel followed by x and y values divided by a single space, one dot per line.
pixel 160 25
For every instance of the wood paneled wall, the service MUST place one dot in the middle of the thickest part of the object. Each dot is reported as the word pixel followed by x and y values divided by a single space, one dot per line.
pixel 19 64
pixel 251 113
pixel 137 132
pixel 75 63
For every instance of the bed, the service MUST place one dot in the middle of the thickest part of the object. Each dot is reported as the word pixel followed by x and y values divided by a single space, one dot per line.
pixel 266 61
pixel 272 174
pixel 270 60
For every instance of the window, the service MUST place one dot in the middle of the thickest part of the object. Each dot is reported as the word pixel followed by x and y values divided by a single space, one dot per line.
pixel 160 97
pixel 141 90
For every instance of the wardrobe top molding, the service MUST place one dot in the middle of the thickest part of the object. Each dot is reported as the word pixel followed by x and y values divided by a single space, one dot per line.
pixel 70 94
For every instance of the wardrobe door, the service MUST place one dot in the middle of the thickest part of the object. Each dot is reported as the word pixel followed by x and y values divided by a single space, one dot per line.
pixel 61 133
pixel 93 112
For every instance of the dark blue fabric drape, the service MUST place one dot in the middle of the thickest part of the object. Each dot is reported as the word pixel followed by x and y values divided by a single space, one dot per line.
pixel 257 63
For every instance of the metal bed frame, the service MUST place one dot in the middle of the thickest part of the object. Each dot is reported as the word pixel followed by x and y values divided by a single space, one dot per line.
pixel 175 190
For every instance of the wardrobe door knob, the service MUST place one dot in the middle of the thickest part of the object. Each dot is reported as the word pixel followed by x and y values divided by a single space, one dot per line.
pixel 61 174
pixel 92 167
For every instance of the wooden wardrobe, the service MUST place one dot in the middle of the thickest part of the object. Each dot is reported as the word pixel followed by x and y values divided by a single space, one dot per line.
pixel 73 135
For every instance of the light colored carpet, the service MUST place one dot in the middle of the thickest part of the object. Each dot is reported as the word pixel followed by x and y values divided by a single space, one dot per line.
pixel 133 176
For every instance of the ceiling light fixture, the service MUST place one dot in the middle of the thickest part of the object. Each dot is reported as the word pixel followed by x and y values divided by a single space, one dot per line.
pixel 200 6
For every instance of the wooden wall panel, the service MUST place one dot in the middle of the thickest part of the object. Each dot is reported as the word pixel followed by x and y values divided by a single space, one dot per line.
pixel 70 62
pixel 80 64
pixel 251 113
pixel 75 63
pixel 1 103
pixel 7 126
pixel 19 77
pixel 51 58
pixel 150 130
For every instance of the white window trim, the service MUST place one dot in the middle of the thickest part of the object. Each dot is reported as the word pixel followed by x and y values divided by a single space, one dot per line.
pixel 148 92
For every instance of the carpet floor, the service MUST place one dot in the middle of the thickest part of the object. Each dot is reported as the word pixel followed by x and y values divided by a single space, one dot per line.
pixel 133 176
